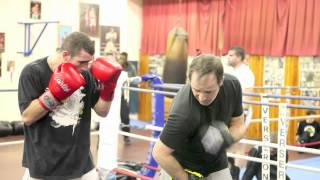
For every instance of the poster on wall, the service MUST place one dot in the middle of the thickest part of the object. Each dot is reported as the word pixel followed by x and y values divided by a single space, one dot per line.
pixel 89 19
pixel 309 78
pixel 109 39
pixel 273 74
pixel 35 10
pixel 10 69
pixel 2 42
pixel 63 32
pixel 0 65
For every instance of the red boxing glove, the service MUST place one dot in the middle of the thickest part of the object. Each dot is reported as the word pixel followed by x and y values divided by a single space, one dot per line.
pixel 64 81
pixel 107 73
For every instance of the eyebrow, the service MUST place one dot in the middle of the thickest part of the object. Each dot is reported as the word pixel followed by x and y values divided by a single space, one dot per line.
pixel 84 62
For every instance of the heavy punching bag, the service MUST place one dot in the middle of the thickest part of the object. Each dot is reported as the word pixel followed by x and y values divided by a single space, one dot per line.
pixel 175 66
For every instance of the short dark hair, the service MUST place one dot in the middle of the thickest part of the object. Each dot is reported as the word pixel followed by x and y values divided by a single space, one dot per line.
pixel 205 64
pixel 77 41
pixel 239 51
pixel 124 54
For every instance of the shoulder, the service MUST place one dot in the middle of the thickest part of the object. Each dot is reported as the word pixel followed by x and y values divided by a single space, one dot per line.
pixel 35 67
pixel 183 96
pixel 182 102
pixel 229 78
pixel 231 82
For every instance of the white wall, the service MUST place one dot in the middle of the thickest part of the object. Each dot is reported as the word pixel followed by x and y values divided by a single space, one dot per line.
pixel 124 13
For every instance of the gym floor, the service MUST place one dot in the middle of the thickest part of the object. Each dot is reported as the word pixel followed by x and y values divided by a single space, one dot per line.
pixel 11 156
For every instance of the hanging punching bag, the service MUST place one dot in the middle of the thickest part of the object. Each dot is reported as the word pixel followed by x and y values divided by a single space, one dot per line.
pixel 175 66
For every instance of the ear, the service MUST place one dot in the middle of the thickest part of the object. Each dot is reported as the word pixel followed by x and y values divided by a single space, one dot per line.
pixel 65 56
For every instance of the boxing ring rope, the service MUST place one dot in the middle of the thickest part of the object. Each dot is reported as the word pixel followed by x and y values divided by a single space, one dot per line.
pixel 295 106
pixel 251 142
pixel 149 91
pixel 289 118
pixel 283 87
pixel 157 129
pixel 282 96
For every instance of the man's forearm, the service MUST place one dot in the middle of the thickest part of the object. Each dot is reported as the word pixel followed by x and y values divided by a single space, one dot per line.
pixel 33 112
pixel 237 132
pixel 102 107
pixel 172 167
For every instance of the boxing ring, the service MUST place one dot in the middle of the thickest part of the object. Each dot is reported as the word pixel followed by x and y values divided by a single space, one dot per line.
pixel 150 167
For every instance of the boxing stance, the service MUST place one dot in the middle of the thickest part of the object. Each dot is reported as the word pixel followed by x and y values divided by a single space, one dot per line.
pixel 56 94
pixel 206 117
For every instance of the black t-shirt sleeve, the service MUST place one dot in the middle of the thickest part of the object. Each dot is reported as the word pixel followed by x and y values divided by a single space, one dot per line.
pixel 238 110
pixel 175 132
pixel 29 86
pixel 179 126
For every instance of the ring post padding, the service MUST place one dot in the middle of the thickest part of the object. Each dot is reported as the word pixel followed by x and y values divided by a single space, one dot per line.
pixel 158 120
pixel 282 141
pixel 265 170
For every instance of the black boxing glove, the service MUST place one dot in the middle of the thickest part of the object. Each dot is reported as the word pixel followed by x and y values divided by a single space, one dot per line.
pixel 215 137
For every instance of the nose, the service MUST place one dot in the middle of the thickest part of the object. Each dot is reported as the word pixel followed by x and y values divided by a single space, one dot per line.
pixel 202 97
pixel 84 67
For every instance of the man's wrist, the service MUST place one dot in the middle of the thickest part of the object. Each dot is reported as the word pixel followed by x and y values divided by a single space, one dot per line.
pixel 48 101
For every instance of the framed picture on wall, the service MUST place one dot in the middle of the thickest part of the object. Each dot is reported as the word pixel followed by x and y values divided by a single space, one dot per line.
pixel 109 39
pixel 2 42
pixel 89 19
pixel 11 68
pixel 0 65
pixel 35 10
pixel 63 32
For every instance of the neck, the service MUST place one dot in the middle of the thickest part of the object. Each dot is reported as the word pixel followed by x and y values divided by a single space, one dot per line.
pixel 53 62
pixel 237 65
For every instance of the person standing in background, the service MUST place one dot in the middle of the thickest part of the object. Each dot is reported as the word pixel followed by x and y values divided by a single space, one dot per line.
pixel 125 108
pixel 236 59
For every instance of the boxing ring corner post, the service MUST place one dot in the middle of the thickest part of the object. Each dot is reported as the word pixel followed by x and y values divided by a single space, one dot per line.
pixel 158 120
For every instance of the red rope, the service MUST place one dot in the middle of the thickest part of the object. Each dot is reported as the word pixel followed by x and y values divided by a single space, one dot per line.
pixel 151 167
pixel 307 144
pixel 131 174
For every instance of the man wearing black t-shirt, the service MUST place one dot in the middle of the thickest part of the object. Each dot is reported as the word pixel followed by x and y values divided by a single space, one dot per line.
pixel 56 94
pixel 206 117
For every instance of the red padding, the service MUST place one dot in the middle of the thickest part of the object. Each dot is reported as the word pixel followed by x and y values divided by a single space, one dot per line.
pixel 131 174
pixel 151 167
pixel 307 144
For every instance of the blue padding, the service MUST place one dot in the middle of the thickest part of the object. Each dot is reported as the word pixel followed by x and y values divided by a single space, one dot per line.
pixel 138 123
